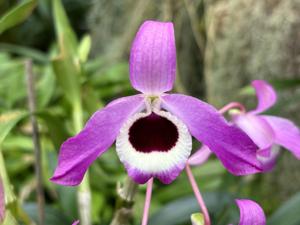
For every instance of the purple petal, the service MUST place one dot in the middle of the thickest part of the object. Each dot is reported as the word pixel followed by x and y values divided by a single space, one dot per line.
pixel 259 130
pixel 250 213
pixel 200 156
pixel 166 177
pixel 266 95
pixel 77 153
pixel 268 157
pixel 138 176
pixel 75 222
pixel 2 202
pixel 287 133
pixel 256 128
pixel 153 58
pixel 233 147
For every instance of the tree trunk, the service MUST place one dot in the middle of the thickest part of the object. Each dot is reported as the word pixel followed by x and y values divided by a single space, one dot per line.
pixel 248 40
pixel 115 23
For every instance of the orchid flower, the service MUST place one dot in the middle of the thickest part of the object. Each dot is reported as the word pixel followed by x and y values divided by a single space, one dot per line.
pixel 153 130
pixel 250 213
pixel 266 131
pixel 2 202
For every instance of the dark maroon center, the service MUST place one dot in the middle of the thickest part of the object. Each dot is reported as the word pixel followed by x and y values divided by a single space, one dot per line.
pixel 153 133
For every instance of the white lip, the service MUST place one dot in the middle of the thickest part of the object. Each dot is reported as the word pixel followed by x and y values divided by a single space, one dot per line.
pixel 155 161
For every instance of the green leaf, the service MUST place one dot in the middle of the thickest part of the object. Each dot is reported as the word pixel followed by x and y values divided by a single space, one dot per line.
pixel 57 130
pixel 197 219
pixel 12 85
pixel 53 216
pixel 209 174
pixel 17 15
pixel 66 64
pixel 283 84
pixel 247 91
pixel 91 102
pixel 45 87
pixel 288 213
pixel 186 206
pixel 68 200
pixel 8 120
pixel 98 202
pixel 27 52
pixel 84 48
pixel 9 219
pixel 9 195
pixel 67 76
pixel 18 143
pixel 64 32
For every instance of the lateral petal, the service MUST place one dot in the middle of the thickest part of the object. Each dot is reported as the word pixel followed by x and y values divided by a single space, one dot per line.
pixel 200 156
pixel 287 134
pixel 250 213
pixel 266 96
pixel 256 128
pixel 153 58
pixel 233 147
pixel 259 130
pixel 78 152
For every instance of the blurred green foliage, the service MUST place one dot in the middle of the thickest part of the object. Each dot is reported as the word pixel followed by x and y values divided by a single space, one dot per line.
pixel 70 87
pixel 197 219
pixel 16 15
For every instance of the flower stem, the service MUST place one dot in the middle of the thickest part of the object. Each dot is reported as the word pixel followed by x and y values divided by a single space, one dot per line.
pixel 84 193
pixel 126 194
pixel 147 202
pixel 36 141
pixel 84 201
pixel 232 105
pixel 198 195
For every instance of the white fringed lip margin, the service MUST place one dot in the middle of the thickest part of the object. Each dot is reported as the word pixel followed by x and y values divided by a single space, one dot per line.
pixel 155 162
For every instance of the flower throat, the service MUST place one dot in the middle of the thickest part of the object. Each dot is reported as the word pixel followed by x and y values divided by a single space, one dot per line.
pixel 153 133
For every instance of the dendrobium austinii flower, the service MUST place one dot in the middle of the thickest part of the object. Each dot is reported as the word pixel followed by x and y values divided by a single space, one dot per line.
pixel 266 131
pixel 153 130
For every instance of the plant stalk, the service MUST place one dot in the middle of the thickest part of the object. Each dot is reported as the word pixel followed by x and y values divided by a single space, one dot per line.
pixel 84 193
pixel 36 141
pixel 84 201
pixel 126 194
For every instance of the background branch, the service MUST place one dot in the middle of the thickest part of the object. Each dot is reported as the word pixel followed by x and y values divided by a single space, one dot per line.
pixel 36 141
